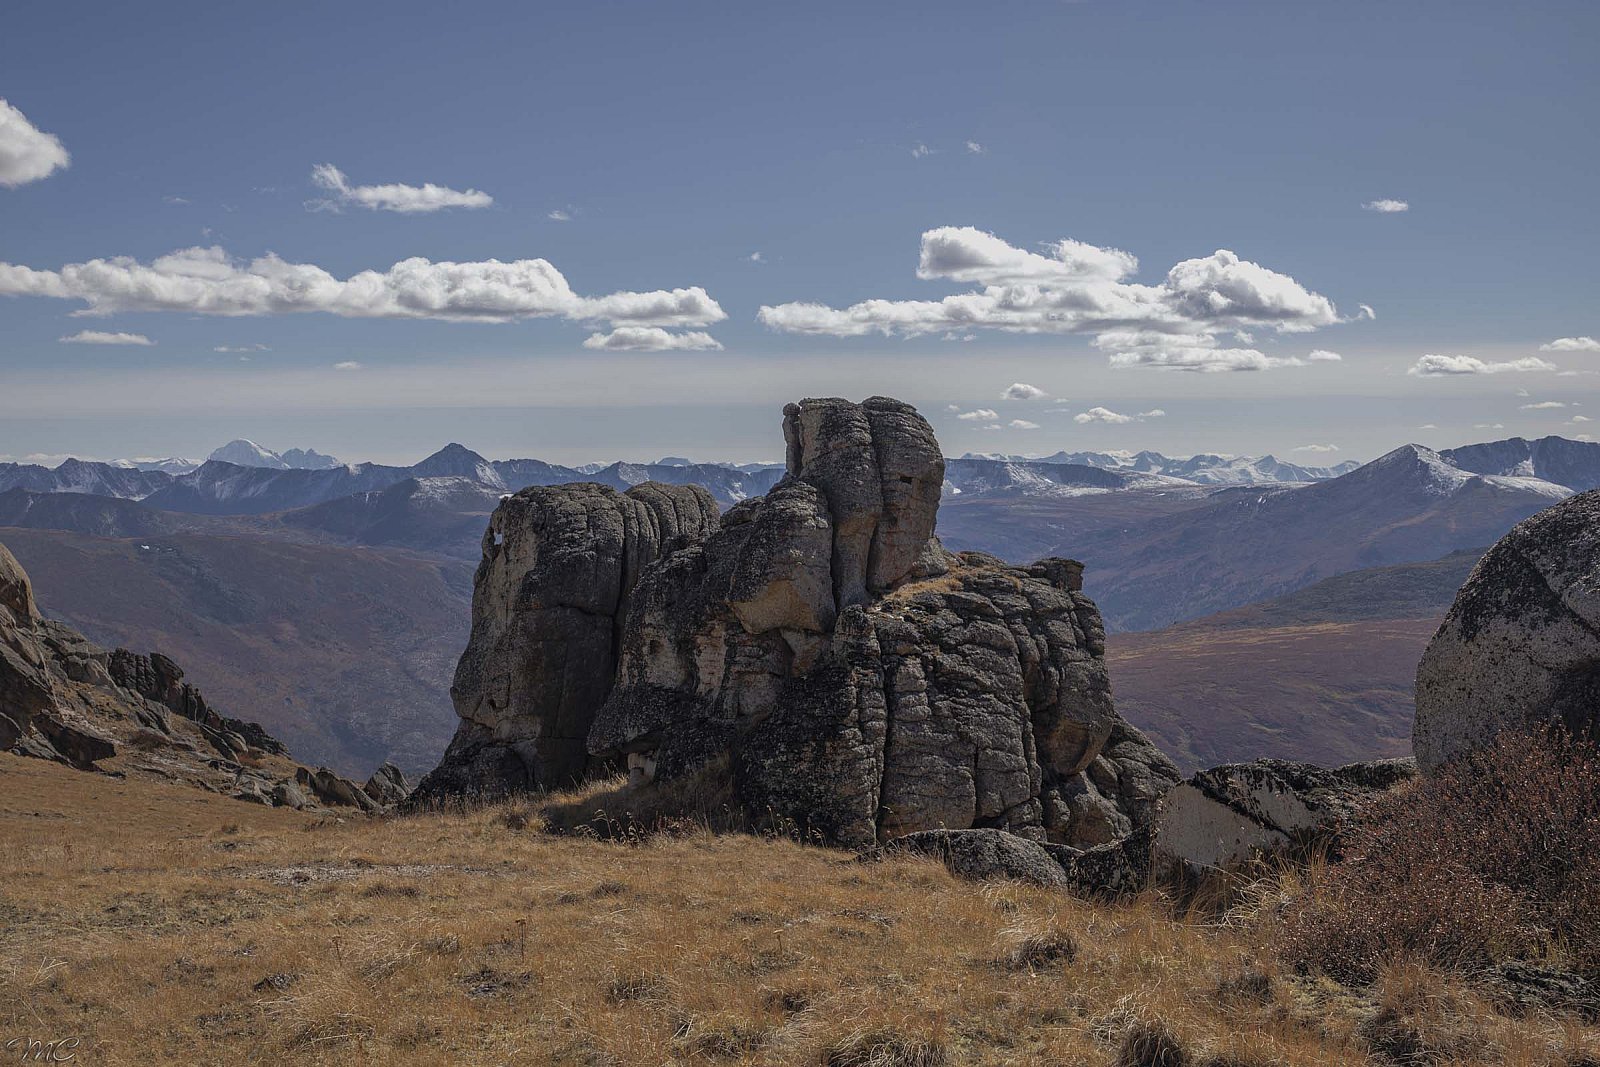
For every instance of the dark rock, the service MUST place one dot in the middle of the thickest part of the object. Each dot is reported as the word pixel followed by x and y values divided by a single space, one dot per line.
pixel 982 855
pixel 558 566
pixel 287 794
pixel 339 792
pixel 1521 645
pixel 1233 816
pixel 387 785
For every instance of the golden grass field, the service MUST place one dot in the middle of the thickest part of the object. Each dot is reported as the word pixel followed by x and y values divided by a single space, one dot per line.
pixel 161 924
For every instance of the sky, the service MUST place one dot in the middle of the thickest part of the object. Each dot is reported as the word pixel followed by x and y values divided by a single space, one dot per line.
pixel 613 230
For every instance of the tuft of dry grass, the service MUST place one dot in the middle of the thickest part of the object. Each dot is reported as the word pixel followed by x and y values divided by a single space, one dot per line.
pixel 159 923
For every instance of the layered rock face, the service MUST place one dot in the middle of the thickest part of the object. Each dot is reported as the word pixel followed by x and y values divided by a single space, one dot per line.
pixel 1521 644
pixel 824 659
pixel 559 563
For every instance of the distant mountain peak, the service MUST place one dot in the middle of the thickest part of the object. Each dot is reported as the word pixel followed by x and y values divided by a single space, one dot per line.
pixel 243 452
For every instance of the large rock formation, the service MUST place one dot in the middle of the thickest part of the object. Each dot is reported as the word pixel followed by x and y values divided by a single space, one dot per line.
pixel 559 563
pixel 1521 644
pixel 817 656
pixel 65 699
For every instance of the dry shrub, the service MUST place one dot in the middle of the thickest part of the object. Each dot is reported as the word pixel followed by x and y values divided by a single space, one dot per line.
pixel 617 811
pixel 1149 1043
pixel 1496 856
pixel 888 1048
pixel 1037 950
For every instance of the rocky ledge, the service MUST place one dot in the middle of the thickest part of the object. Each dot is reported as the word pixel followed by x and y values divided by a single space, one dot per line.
pixel 65 699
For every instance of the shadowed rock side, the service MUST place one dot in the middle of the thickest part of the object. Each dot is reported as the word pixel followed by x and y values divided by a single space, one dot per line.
pixel 1521 644
pixel 825 657
pixel 548 597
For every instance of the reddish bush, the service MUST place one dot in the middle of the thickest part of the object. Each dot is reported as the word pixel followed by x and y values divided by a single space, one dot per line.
pixel 1495 856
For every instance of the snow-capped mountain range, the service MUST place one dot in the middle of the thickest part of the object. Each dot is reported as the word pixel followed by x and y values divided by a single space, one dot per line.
pixel 1202 469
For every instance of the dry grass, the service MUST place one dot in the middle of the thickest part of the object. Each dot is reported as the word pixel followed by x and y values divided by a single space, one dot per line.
pixel 160 923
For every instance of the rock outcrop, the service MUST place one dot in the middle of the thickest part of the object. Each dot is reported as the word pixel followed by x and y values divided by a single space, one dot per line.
pixel 559 563
pixel 1233 817
pixel 1521 644
pixel 817 656
pixel 65 699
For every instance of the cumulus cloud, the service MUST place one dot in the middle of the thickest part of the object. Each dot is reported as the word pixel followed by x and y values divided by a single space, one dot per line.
pixel 1071 287
pixel 1022 391
pixel 979 415
pixel 1153 413
pixel 101 337
pixel 1488 426
pixel 1543 405
pixel 1316 448
pixel 348 364
pixel 1571 344
pixel 651 339
pixel 1101 415
pixel 1433 366
pixel 1364 311
pixel 1428 426
pixel 207 281
pixel 975 148
pixel 27 153
pixel 1322 355
pixel 1023 424
pixel 405 199
pixel 1580 418
pixel 559 215
pixel 1386 207
pixel 921 151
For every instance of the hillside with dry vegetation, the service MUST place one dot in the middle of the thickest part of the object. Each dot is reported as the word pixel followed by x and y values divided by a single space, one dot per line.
pixel 174 925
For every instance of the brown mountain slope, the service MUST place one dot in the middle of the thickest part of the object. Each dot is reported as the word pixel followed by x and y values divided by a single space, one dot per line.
pixel 344 654
pixel 1324 674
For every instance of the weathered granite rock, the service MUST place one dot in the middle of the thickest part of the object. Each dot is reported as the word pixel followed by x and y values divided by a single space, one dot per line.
pixel 558 565
pixel 981 855
pixel 1230 817
pixel 158 679
pixel 387 785
pixel 861 683
pixel 1521 644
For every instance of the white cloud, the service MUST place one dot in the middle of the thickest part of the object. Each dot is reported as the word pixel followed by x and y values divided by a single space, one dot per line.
pixel 1488 426
pixel 1322 355
pixel 1153 413
pixel 207 281
pixel 1022 391
pixel 1427 426
pixel 241 348
pixel 975 148
pixel 651 339
pixel 177 201
pixel 1571 344
pixel 348 364
pixel 1023 424
pixel 1432 366
pixel 1316 448
pixel 1071 287
pixel 27 153
pixel 1386 207
pixel 405 199
pixel 979 415
pixel 1582 437
pixel 558 215
pixel 755 257
pixel 1543 405
pixel 1101 415
pixel 1364 311
pixel 101 337
pixel 921 151
pixel 1580 418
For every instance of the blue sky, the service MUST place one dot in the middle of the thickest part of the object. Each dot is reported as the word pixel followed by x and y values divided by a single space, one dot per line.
pixel 648 148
